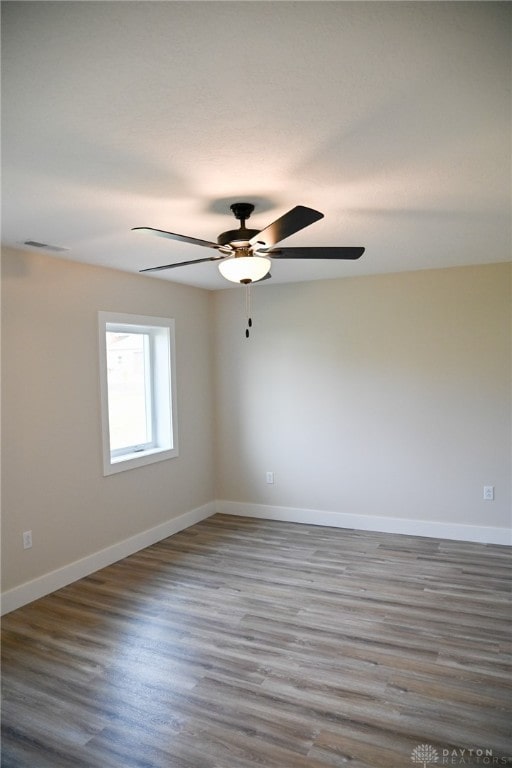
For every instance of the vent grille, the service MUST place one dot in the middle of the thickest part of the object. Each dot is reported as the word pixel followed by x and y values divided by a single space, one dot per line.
pixel 46 246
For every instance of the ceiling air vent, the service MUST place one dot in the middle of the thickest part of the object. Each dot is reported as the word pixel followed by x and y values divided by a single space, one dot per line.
pixel 35 244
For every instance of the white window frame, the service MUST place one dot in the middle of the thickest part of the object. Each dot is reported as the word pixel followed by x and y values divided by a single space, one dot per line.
pixel 161 358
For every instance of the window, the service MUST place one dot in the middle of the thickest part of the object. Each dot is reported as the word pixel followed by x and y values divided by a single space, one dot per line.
pixel 137 390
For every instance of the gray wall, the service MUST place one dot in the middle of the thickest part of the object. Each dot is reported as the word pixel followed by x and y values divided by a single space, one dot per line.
pixel 53 480
pixel 382 396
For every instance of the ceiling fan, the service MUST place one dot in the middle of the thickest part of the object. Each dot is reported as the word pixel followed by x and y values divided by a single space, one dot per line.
pixel 244 255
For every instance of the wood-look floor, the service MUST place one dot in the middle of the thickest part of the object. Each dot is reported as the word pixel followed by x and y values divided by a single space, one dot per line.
pixel 243 643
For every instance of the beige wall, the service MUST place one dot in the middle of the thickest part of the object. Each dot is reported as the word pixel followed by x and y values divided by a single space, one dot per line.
pixel 386 395
pixel 51 433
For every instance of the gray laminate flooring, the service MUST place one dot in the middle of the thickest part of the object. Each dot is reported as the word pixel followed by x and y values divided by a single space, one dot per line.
pixel 243 643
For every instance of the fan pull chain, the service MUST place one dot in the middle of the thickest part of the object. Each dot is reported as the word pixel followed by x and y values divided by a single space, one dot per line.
pixel 248 309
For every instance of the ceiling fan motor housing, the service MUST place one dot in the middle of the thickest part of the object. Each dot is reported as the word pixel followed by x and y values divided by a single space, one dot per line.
pixel 237 236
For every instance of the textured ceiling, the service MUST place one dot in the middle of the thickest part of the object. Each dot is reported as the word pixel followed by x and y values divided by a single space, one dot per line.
pixel 391 118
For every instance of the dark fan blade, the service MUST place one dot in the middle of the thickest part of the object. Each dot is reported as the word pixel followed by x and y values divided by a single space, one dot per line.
pixel 181 238
pixel 182 264
pixel 291 222
pixel 315 253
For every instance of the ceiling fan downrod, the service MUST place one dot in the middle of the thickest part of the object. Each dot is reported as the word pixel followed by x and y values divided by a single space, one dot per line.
pixel 242 212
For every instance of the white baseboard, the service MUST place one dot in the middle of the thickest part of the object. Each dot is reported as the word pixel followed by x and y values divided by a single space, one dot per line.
pixel 44 585
pixel 33 590
pixel 438 530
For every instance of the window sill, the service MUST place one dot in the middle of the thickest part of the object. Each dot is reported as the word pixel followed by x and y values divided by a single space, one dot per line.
pixel 138 459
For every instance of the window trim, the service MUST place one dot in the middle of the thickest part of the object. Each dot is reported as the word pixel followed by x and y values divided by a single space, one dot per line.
pixel 163 384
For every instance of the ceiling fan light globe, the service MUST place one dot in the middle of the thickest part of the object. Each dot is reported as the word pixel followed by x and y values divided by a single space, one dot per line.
pixel 244 269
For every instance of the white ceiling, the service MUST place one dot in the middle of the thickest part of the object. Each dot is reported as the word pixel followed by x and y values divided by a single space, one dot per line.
pixel 392 118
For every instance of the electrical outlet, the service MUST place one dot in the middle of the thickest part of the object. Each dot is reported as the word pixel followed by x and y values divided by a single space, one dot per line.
pixel 27 539
pixel 488 492
pixel 270 478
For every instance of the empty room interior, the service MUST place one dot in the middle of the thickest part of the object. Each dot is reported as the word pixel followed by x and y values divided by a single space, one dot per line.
pixel 256 384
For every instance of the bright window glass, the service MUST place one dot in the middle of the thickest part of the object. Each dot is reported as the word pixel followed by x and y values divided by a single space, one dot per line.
pixel 129 390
